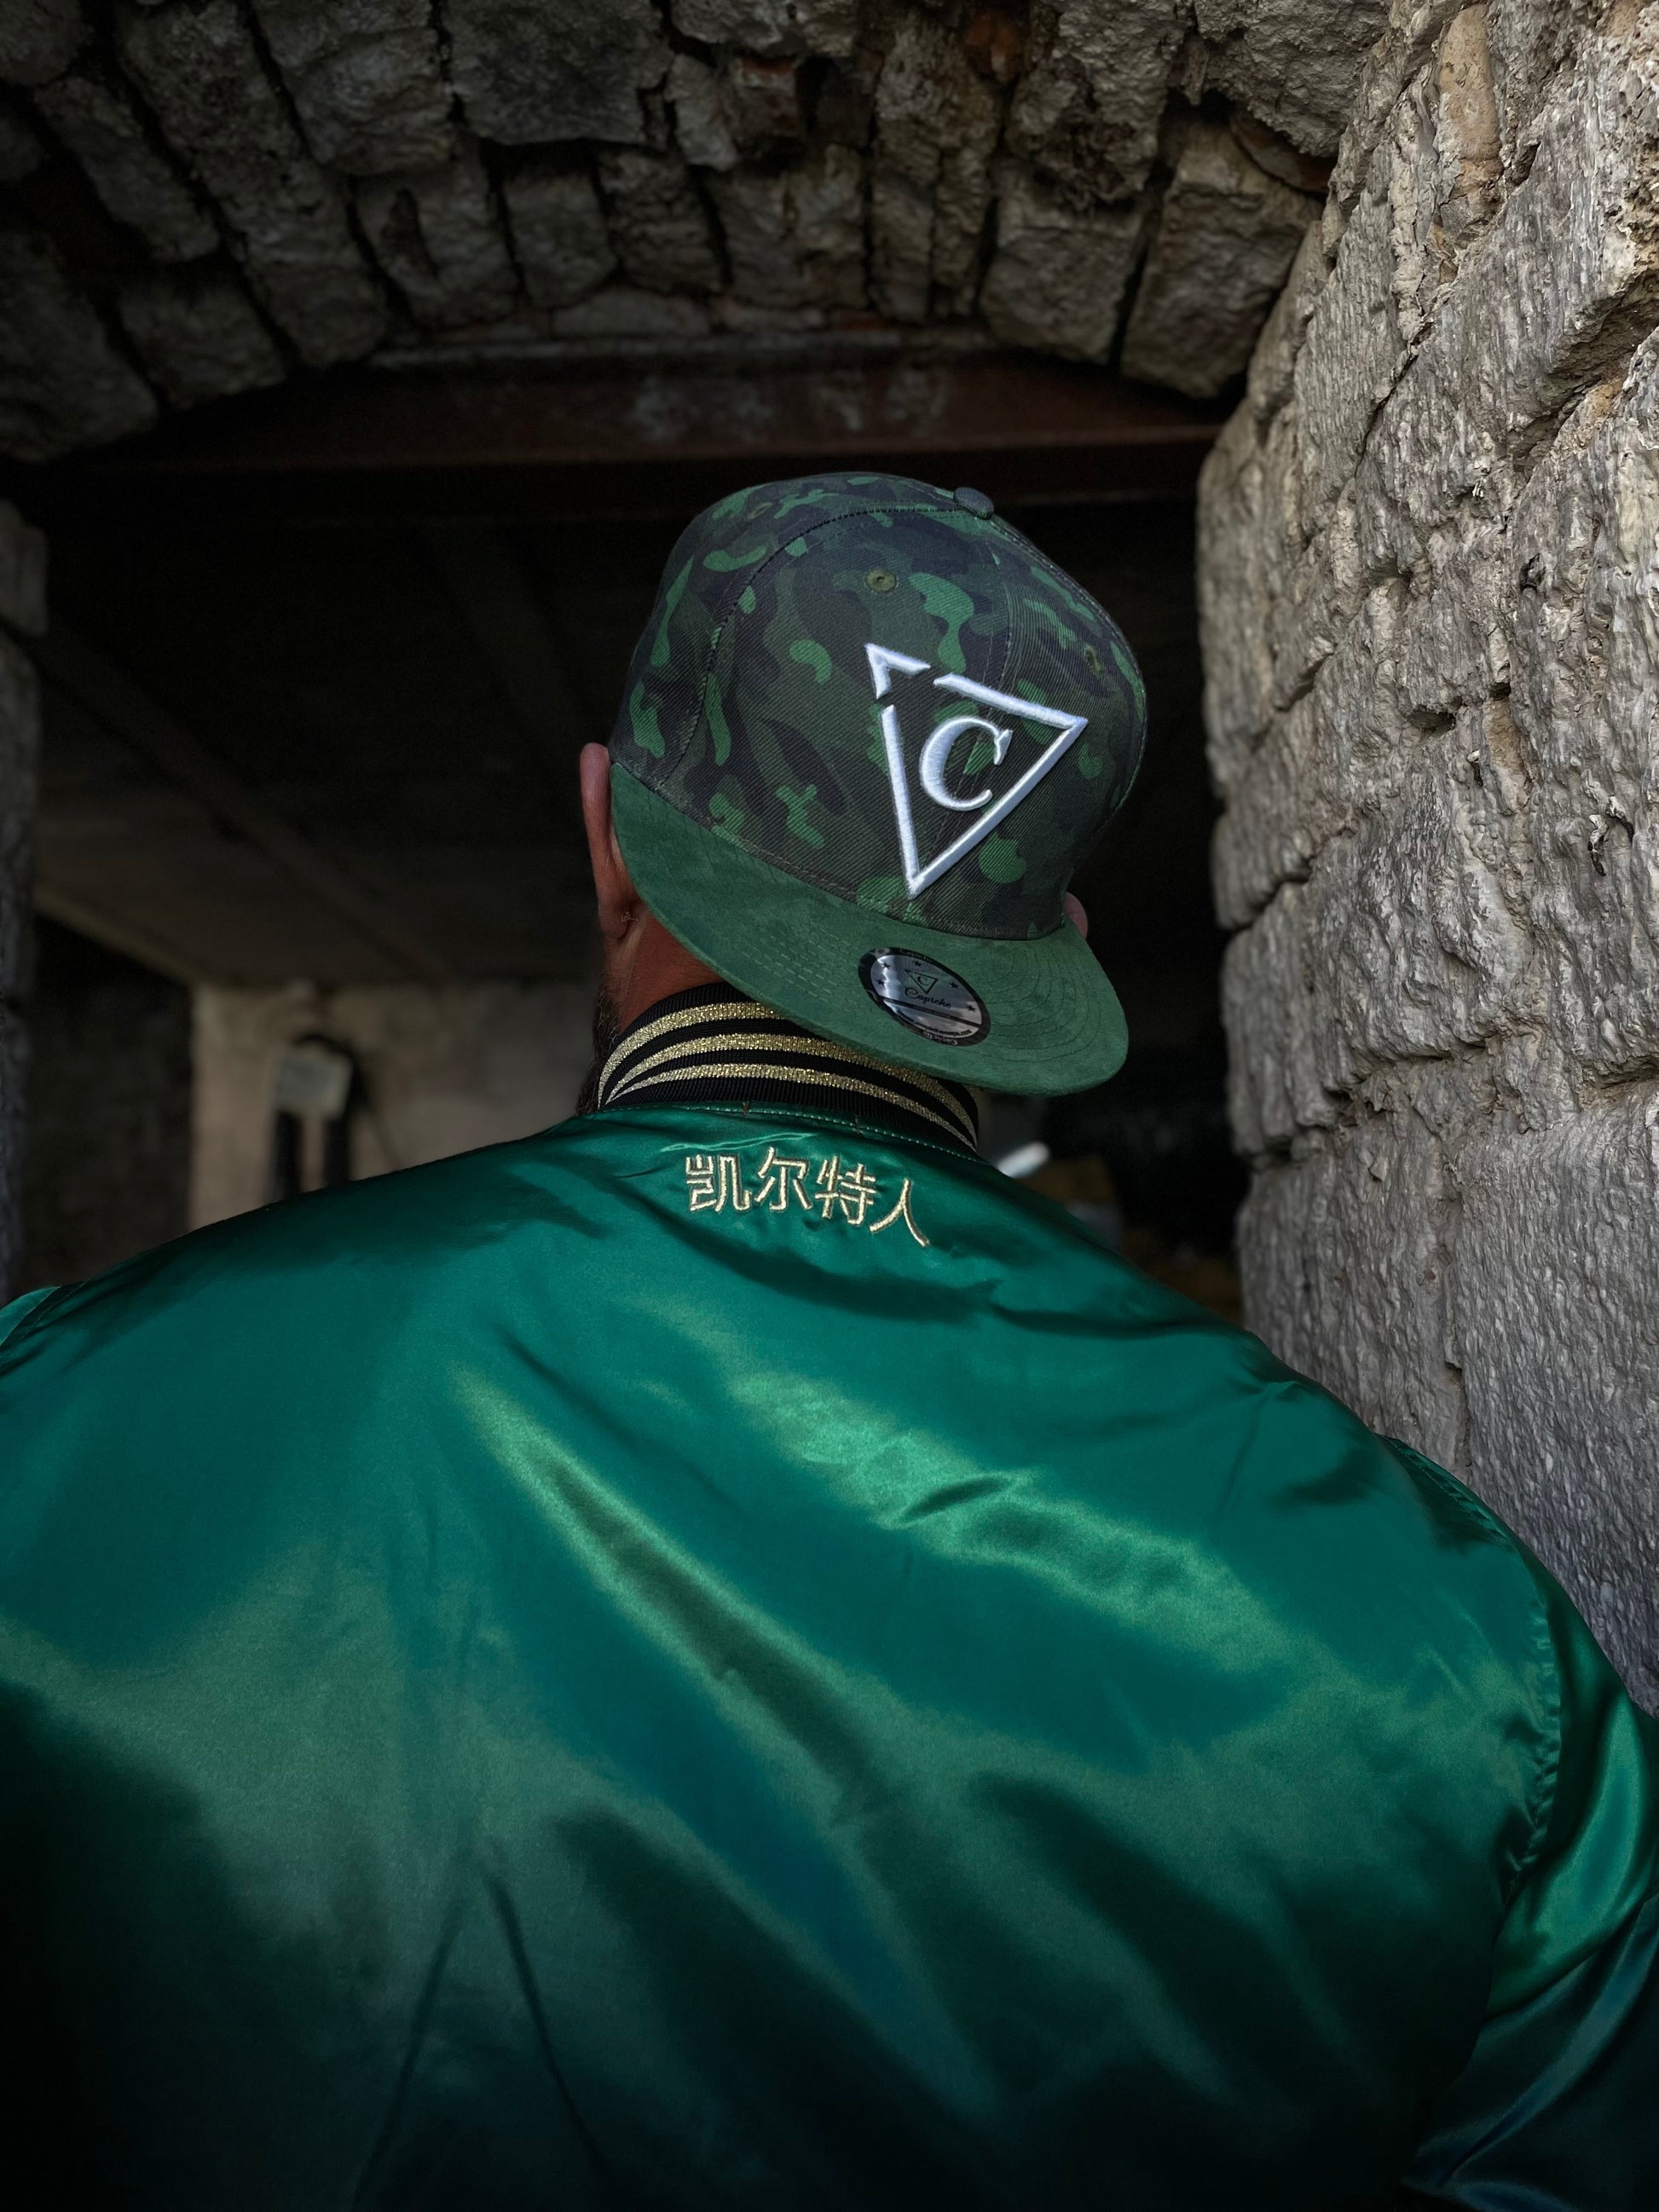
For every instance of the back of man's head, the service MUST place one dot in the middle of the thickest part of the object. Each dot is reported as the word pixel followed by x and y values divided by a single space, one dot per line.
pixel 868 734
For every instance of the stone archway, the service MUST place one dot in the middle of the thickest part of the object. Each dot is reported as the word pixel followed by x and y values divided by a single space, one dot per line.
pixel 1427 550
pixel 208 201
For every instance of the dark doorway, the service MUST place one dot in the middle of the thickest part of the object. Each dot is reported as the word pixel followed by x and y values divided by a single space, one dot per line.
pixel 337 742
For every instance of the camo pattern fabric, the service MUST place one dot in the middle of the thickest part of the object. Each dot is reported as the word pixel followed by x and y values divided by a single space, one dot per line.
pixel 751 703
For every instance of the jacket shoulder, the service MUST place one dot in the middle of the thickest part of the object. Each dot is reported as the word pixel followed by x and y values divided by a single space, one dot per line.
pixel 409 1231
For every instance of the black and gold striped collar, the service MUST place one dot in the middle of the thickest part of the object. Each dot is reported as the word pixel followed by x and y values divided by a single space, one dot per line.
pixel 712 1045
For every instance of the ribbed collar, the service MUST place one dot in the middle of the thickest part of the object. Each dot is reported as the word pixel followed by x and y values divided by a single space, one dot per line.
pixel 712 1045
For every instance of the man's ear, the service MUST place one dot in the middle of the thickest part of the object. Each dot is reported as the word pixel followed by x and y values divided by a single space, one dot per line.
pixel 613 887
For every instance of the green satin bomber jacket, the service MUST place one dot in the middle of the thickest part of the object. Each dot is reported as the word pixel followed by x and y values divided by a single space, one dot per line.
pixel 722 1659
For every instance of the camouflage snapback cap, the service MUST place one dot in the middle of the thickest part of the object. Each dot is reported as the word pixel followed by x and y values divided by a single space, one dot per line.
pixel 868 733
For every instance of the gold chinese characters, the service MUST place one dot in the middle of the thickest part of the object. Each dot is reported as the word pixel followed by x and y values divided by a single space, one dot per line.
pixel 839 1189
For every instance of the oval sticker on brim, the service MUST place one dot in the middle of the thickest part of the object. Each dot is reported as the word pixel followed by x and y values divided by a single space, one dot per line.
pixel 927 998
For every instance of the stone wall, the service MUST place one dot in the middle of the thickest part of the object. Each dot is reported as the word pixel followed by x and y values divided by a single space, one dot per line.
pixel 1429 592
pixel 23 616
pixel 108 1161
pixel 199 197
pixel 444 1071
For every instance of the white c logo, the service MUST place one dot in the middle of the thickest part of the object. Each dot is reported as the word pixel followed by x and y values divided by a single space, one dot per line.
pixel 936 754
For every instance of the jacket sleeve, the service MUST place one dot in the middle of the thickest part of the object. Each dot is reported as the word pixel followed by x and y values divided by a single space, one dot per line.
pixel 13 1316
pixel 1557 2108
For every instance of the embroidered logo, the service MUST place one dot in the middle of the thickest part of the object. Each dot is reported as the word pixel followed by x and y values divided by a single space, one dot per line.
pixel 934 759
pixel 842 1190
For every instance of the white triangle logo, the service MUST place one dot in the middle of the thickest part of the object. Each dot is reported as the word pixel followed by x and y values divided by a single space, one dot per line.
pixel 936 752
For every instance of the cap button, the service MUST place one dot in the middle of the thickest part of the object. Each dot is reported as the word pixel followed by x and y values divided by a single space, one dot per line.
pixel 974 501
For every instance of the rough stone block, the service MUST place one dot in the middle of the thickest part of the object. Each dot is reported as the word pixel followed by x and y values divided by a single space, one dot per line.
pixel 536 71
pixel 620 311
pixel 1317 596
pixel 434 233
pixel 559 236
pixel 745 107
pixel 1408 174
pixel 1436 163
pixel 62 382
pixel 1465 129
pixel 1223 245
pixel 937 120
pixel 1530 43
pixel 21 150
pixel 1553 1289
pixel 202 74
pixel 1551 299
pixel 1087 111
pixel 657 223
pixel 902 232
pixel 366 80
pixel 199 336
pixel 763 99
pixel 137 182
pixel 1057 278
pixel 1403 942
pixel 22 576
pixel 1272 153
pixel 1363 743
pixel 38 38
pixel 1273 362
pixel 1276 818
pixel 1296 64
pixel 795 239
pixel 1345 1260
pixel 1414 25
pixel 1250 538
pixel 702 126
pixel 771 26
pixel 1340 752
pixel 19 781
pixel 1453 646
pixel 1275 1090
pixel 1233 599
pixel 1352 352
pixel 1583 543
pixel 1411 945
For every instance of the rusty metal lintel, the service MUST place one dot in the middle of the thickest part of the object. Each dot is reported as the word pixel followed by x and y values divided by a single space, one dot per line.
pixel 577 430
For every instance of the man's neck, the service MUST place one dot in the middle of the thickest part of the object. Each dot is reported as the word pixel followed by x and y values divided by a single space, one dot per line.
pixel 651 966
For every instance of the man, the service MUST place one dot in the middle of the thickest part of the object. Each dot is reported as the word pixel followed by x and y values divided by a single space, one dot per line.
pixel 725 1655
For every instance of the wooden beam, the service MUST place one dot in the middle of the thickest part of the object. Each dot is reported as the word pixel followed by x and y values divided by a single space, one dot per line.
pixel 106 690
pixel 513 632
pixel 116 932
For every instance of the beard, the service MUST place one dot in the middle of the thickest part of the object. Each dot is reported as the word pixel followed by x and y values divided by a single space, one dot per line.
pixel 606 1030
